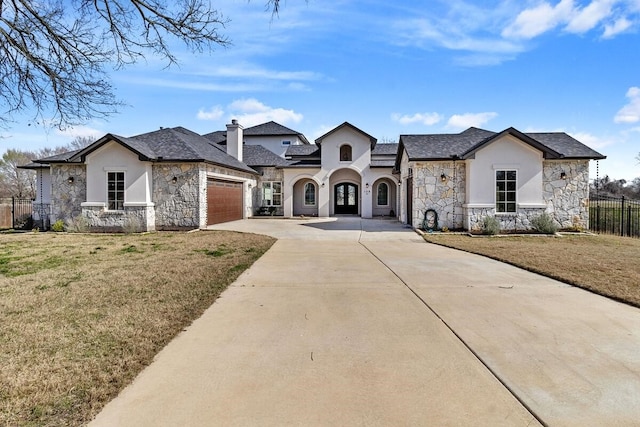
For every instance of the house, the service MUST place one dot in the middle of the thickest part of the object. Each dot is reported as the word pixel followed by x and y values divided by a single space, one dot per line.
pixel 173 178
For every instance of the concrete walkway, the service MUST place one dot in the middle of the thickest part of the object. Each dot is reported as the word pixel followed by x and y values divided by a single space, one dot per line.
pixel 360 322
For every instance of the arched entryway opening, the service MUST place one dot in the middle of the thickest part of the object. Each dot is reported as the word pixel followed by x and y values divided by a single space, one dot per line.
pixel 346 187
pixel 384 197
pixel 305 197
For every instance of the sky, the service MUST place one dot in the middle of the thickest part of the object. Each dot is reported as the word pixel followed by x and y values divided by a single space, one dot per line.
pixel 396 67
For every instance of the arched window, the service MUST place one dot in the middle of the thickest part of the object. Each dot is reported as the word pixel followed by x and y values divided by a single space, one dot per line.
pixel 383 194
pixel 309 194
pixel 345 153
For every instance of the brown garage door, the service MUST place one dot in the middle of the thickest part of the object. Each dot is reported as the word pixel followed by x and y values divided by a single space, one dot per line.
pixel 224 201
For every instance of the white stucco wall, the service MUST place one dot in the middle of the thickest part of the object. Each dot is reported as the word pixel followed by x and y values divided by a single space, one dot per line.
pixel 360 150
pixel 292 176
pixel 112 157
pixel 505 153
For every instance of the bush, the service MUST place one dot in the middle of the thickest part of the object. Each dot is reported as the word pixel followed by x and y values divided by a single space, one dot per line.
pixel 490 225
pixel 78 225
pixel 57 226
pixel 544 224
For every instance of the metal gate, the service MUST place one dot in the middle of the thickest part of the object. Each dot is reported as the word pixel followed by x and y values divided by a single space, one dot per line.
pixel 21 213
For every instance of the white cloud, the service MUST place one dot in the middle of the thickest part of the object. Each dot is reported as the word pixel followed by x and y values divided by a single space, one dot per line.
pixel 427 119
pixel 250 112
pixel 464 121
pixel 214 113
pixel 588 17
pixel 630 113
pixel 616 28
pixel 532 22
pixel 255 72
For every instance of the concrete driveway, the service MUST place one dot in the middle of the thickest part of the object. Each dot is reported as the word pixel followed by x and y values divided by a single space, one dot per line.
pixel 360 322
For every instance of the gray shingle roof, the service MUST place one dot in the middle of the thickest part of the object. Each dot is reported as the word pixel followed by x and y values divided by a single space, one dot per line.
pixel 383 163
pixel 176 144
pixel 566 145
pixel 257 155
pixel 62 157
pixel 271 129
pixel 217 137
pixel 464 144
pixel 388 148
pixel 303 150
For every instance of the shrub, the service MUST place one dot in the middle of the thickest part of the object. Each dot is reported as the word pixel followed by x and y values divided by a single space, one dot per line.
pixel 58 226
pixel 78 224
pixel 490 225
pixel 543 223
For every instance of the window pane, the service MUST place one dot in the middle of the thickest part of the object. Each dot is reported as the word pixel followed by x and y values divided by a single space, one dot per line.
pixel 506 191
pixel 352 195
pixel 309 194
pixel 340 195
pixel 277 187
pixel 383 194
pixel 277 200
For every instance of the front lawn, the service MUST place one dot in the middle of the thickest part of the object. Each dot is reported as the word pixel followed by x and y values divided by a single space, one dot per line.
pixel 607 265
pixel 82 314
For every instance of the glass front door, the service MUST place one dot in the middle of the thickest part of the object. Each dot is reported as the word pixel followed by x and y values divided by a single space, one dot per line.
pixel 346 199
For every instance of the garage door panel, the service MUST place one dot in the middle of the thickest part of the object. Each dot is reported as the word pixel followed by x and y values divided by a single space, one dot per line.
pixel 224 201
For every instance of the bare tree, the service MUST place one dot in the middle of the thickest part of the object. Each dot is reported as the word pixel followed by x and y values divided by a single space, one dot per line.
pixel 16 182
pixel 55 53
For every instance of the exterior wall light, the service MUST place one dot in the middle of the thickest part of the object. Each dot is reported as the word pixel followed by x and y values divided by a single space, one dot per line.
pixel 563 175
pixel 174 180
pixel 367 185
pixel 443 177
pixel 322 185
pixel 70 180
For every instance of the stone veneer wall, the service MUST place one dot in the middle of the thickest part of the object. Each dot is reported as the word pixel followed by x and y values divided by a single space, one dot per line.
pixel 567 199
pixel 66 197
pixel 474 218
pixel 268 174
pixel 133 219
pixel 445 197
pixel 178 205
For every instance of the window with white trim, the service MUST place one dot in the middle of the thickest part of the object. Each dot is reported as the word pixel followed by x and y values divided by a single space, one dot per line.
pixel 272 193
pixel 506 185
pixel 115 191
pixel 383 194
pixel 309 194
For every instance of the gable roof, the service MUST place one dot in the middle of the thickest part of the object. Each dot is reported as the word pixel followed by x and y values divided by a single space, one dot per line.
pixel 350 126
pixel 169 145
pixel 273 129
pixel 464 145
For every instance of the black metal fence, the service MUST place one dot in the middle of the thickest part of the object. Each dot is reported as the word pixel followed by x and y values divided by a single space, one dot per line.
pixel 614 215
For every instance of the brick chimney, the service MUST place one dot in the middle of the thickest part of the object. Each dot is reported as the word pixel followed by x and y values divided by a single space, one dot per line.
pixel 234 139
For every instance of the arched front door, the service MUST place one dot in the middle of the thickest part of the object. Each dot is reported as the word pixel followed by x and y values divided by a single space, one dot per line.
pixel 346 199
